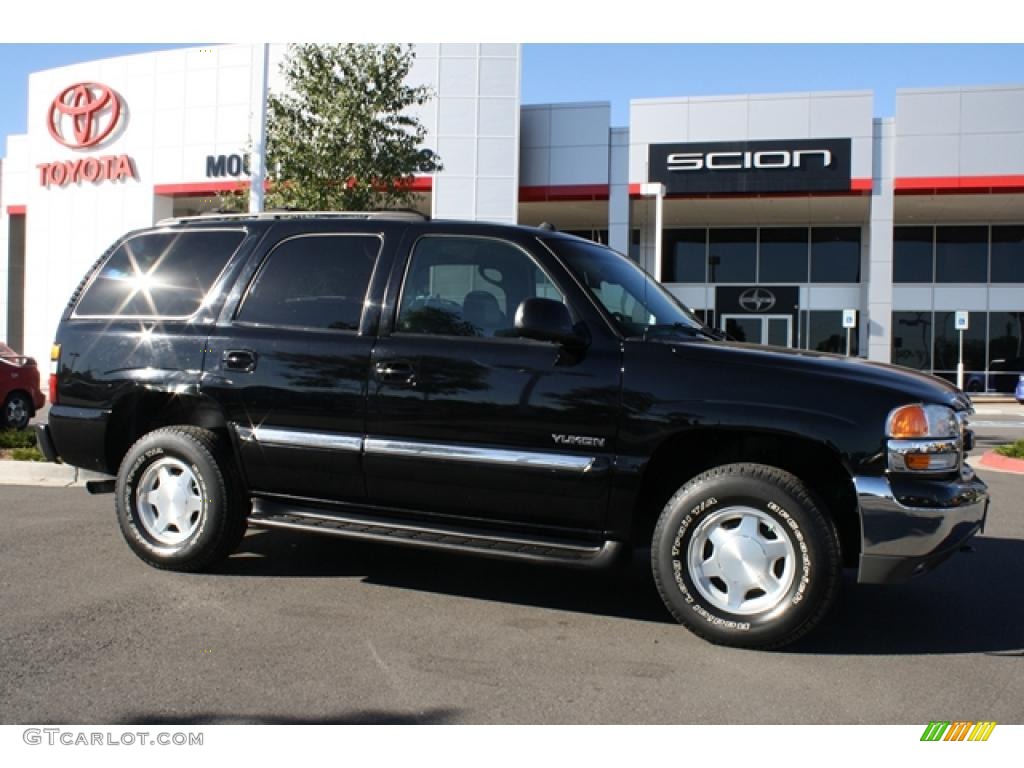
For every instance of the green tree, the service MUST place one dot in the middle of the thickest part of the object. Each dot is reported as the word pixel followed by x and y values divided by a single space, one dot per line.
pixel 341 137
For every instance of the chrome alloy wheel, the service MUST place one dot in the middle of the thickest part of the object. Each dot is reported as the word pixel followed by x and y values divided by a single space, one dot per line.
pixel 741 560
pixel 169 501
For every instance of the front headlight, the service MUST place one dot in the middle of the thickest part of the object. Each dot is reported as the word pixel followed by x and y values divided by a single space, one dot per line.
pixel 924 438
pixel 915 421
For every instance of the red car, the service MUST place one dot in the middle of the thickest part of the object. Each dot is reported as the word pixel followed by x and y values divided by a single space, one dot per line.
pixel 19 389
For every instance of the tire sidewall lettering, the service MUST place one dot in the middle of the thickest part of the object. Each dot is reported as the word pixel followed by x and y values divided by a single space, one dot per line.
pixel 695 512
pixel 129 489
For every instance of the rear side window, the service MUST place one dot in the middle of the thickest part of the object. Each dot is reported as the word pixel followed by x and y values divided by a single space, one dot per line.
pixel 161 274
pixel 313 281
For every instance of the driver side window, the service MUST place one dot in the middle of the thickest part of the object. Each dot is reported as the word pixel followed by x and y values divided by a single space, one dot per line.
pixel 468 286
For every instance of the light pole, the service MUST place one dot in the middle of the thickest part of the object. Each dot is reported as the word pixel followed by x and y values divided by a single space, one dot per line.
pixel 259 145
pixel 960 321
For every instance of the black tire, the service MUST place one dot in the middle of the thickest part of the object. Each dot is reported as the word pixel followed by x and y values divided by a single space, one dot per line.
pixel 17 410
pixel 778 515
pixel 198 467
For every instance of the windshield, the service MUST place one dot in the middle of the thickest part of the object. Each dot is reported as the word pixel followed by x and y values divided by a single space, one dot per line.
pixel 637 302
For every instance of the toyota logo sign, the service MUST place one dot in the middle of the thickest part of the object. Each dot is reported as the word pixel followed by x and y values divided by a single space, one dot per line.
pixel 83 115
pixel 757 300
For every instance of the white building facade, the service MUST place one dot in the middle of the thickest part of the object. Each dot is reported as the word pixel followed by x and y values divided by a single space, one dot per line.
pixel 780 211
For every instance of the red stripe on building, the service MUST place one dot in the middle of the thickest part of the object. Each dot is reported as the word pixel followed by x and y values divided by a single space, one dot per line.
pixel 928 185
pixel 857 187
pixel 422 184
pixel 16 210
pixel 563 192
pixel 200 188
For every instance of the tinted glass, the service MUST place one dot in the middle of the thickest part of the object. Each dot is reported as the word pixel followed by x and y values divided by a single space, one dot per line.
pixel 466 286
pixel 1008 254
pixel 732 255
pixel 825 333
pixel 1005 350
pixel 912 255
pixel 164 274
pixel 947 342
pixel 912 339
pixel 747 329
pixel 961 254
pixel 835 255
pixel 1006 335
pixel 685 256
pixel 635 301
pixel 783 256
pixel 313 282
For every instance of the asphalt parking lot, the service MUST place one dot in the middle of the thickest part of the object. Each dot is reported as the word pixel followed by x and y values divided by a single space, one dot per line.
pixel 300 629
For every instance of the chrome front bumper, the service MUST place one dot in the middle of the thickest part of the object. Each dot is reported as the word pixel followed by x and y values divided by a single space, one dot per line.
pixel 909 525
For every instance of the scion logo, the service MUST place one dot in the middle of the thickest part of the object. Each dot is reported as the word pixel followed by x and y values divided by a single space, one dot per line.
pixel 738 161
pixel 83 115
pixel 757 300
pixel 959 730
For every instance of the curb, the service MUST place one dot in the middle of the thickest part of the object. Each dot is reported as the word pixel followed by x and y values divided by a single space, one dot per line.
pixel 40 473
pixel 992 399
pixel 993 460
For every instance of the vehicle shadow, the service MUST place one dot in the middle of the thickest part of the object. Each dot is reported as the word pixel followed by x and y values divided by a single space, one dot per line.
pixel 355 717
pixel 971 604
pixel 626 591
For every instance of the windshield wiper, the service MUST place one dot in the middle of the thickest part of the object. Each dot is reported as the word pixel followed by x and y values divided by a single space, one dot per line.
pixel 690 330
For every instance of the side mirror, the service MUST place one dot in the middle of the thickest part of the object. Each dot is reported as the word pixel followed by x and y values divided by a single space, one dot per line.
pixel 545 320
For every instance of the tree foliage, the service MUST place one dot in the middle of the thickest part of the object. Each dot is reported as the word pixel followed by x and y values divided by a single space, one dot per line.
pixel 341 136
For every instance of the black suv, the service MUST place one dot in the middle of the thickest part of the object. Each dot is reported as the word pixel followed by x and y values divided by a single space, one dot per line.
pixel 504 391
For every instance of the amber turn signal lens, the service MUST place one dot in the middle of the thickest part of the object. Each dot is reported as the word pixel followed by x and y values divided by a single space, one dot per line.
pixel 55 353
pixel 909 421
pixel 917 461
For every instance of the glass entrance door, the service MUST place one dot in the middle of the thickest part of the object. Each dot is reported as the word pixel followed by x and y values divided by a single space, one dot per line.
pixel 776 330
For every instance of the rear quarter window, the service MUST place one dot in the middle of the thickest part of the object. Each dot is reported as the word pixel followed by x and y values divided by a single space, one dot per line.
pixel 159 274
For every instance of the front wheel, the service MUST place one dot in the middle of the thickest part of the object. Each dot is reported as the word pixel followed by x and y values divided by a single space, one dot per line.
pixel 179 504
pixel 742 555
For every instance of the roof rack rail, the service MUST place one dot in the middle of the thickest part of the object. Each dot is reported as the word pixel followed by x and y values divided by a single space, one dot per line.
pixel 404 214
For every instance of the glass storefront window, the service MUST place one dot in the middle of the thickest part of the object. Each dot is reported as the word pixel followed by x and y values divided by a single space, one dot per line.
pixel 1007 255
pixel 835 255
pixel 685 256
pixel 961 254
pixel 912 260
pixel 783 255
pixel 732 255
pixel 912 339
pixel 825 333
pixel 1005 350
pixel 947 342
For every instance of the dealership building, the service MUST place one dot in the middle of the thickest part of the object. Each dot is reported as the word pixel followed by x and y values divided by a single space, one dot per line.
pixel 770 215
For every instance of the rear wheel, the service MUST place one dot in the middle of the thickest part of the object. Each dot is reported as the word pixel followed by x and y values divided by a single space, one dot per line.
pixel 179 503
pixel 743 555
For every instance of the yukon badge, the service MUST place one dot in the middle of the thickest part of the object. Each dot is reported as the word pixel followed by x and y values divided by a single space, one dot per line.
pixel 590 442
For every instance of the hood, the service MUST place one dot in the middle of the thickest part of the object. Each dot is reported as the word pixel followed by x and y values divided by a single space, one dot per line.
pixel 782 361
